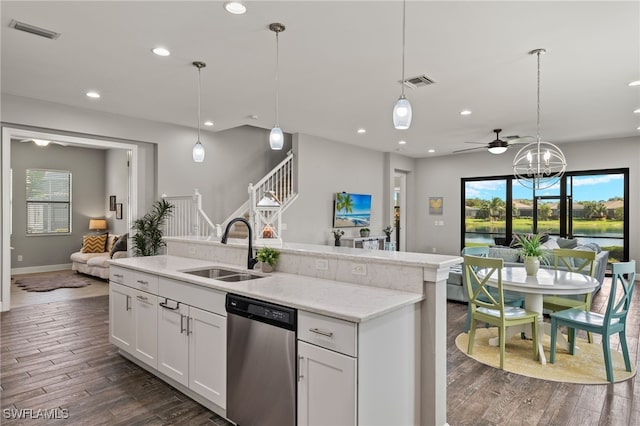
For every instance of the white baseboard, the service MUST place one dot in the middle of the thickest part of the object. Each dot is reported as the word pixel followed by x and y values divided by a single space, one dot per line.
pixel 36 269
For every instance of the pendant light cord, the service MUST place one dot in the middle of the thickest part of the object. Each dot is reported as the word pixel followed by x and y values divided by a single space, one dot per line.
pixel 199 89
pixel 538 120
pixel 404 14
pixel 277 80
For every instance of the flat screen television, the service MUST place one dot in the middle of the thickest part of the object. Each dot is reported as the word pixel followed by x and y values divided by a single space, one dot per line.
pixel 351 210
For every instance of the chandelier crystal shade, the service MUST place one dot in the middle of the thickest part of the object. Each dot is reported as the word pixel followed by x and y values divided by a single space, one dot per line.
pixel 402 109
pixel 198 148
pixel 276 138
pixel 539 165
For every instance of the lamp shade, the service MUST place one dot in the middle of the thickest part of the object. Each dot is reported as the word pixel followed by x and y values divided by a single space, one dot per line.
pixel 402 114
pixel 97 224
pixel 198 152
pixel 497 149
pixel 276 138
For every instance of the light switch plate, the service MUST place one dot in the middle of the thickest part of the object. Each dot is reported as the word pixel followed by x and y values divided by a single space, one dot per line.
pixel 322 264
pixel 359 269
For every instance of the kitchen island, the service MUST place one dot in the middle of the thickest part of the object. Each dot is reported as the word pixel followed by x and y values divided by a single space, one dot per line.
pixel 391 306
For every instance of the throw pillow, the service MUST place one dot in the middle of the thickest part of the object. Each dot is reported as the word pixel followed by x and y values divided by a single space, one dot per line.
pixel 120 244
pixel 593 246
pixel 551 244
pixel 94 243
pixel 507 254
pixel 568 243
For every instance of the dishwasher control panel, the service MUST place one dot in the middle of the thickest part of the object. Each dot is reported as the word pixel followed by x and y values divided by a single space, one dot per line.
pixel 277 315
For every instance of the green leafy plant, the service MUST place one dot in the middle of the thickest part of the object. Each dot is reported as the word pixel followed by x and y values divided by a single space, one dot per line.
pixel 530 245
pixel 268 255
pixel 147 239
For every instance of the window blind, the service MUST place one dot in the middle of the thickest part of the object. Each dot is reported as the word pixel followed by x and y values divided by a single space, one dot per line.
pixel 48 201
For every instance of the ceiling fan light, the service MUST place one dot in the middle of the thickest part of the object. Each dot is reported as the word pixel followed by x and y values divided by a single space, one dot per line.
pixel 198 152
pixel 276 139
pixel 402 114
pixel 41 142
pixel 498 149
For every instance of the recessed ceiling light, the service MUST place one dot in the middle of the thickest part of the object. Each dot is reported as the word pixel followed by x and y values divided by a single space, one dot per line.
pixel 637 111
pixel 431 151
pixel 465 112
pixel 402 142
pixel 361 131
pixel 208 123
pixel 161 51
pixel 93 94
pixel 235 7
pixel 635 83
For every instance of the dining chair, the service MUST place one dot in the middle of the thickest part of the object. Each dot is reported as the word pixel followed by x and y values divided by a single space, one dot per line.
pixel 510 298
pixel 613 321
pixel 487 303
pixel 580 261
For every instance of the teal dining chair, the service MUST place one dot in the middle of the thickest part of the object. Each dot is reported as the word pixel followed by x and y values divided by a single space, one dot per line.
pixel 510 298
pixel 487 303
pixel 613 321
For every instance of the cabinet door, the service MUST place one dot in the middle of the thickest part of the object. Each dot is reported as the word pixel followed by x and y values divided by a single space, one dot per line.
pixel 121 332
pixel 208 355
pixel 326 387
pixel 173 341
pixel 145 312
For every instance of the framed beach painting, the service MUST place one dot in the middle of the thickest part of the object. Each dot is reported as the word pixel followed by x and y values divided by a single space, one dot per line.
pixel 351 210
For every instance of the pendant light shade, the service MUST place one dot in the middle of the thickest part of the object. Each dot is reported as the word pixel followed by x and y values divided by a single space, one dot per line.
pixel 276 138
pixel 402 110
pixel 539 165
pixel 198 148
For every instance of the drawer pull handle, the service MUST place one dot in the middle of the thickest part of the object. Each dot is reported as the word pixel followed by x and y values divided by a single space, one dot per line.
pixel 321 332
pixel 128 304
pixel 182 316
pixel 165 305
pixel 142 298
pixel 300 365
pixel 143 282
pixel 189 330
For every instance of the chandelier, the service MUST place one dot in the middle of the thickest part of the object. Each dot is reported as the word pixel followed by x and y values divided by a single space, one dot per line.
pixel 539 165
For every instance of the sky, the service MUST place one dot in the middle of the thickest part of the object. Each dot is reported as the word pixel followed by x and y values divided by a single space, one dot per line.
pixel 585 188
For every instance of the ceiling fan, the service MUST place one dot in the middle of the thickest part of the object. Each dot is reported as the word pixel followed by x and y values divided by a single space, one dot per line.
pixel 43 142
pixel 497 146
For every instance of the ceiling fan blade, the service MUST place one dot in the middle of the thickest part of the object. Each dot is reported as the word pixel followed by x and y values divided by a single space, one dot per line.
pixel 471 149
pixel 479 143
pixel 520 139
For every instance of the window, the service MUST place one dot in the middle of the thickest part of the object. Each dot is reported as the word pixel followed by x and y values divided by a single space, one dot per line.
pixel 48 202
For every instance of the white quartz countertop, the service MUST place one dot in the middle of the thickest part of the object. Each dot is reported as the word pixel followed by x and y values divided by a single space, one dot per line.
pixel 350 302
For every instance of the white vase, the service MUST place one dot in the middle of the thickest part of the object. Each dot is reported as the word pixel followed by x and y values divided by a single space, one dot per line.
pixel 531 265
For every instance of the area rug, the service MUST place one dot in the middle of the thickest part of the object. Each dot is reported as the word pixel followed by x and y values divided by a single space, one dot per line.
pixel 586 367
pixel 52 280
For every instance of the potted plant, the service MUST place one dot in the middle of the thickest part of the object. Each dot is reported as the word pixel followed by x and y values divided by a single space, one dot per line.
pixel 269 257
pixel 388 230
pixel 337 233
pixel 147 239
pixel 364 232
pixel 531 249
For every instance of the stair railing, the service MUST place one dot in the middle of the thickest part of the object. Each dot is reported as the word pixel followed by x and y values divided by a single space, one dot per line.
pixel 188 218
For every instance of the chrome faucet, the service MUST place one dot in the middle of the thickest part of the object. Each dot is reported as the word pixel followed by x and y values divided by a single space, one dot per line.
pixel 251 261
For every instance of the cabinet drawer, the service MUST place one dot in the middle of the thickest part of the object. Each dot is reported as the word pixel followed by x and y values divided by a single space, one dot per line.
pixel 118 275
pixel 207 299
pixel 143 281
pixel 327 332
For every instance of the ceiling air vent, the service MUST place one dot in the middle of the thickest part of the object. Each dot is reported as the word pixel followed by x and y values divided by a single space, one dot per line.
pixel 32 29
pixel 419 81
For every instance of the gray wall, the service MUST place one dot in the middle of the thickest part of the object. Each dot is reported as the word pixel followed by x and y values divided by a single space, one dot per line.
pixel 88 200
pixel 441 176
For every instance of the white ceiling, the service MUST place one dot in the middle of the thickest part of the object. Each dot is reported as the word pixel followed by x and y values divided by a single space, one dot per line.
pixel 340 63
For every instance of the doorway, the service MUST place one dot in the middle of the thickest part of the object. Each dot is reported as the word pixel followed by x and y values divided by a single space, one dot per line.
pixel 400 210
pixel 9 133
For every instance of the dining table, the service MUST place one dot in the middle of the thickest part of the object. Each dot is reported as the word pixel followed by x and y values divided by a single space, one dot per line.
pixel 534 287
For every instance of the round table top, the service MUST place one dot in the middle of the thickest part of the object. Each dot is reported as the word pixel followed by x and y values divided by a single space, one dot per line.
pixel 546 281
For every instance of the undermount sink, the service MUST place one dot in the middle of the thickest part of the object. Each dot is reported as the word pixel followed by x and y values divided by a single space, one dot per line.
pixel 220 274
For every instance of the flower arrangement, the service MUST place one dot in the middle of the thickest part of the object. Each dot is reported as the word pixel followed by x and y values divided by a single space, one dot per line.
pixel 388 230
pixel 337 233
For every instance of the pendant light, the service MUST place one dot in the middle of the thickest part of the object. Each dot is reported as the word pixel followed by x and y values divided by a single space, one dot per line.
pixel 198 148
pixel 402 108
pixel 539 165
pixel 276 138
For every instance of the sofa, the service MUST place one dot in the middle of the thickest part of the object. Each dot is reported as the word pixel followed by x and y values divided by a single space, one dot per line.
pixel 511 257
pixel 95 254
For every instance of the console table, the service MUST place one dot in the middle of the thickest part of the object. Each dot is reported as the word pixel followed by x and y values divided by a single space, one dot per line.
pixel 373 243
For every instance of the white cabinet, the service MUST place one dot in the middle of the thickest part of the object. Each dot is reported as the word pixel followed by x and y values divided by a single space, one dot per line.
pixel 326 387
pixel 192 342
pixel 133 320
pixel 121 331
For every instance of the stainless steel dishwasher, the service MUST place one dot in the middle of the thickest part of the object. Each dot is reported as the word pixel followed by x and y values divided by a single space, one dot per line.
pixel 261 362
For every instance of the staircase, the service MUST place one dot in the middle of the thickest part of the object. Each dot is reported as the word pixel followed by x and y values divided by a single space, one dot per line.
pixel 268 199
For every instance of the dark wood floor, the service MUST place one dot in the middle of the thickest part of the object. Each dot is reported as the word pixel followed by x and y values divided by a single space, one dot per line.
pixel 57 356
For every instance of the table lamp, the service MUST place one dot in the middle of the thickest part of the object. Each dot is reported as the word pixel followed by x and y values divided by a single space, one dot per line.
pixel 97 224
